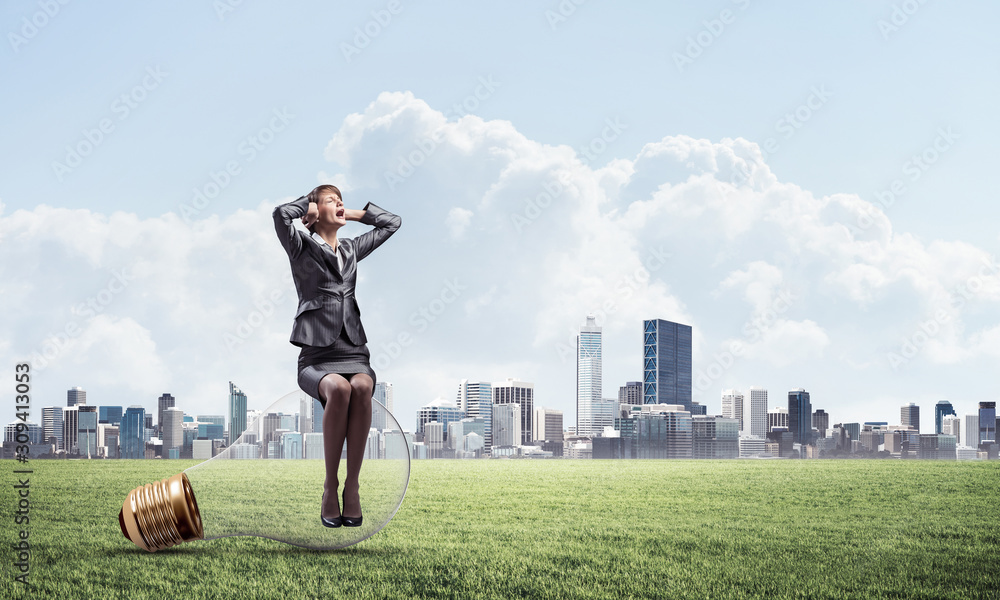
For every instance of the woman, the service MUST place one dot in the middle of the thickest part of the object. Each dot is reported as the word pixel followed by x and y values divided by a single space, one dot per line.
pixel 334 361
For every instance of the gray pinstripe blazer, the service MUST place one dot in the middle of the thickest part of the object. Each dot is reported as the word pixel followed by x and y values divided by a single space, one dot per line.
pixel 326 296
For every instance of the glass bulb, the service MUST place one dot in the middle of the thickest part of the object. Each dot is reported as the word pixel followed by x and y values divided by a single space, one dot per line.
pixel 270 484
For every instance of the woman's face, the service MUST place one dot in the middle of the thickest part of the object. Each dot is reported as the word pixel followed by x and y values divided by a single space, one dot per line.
pixel 331 209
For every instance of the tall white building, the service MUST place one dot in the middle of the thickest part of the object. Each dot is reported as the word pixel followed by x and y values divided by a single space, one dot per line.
pixel 972 431
pixel 476 399
pixel 434 438
pixel 951 425
pixel 512 391
pixel 383 394
pixel 588 375
pixel 755 413
pixel 173 429
pixel 52 425
pixel 732 405
pixel 506 425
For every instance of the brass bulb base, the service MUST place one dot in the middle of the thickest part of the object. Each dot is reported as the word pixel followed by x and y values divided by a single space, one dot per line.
pixel 161 514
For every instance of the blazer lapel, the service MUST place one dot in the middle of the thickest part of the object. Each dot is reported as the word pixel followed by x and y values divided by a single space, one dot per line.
pixel 331 262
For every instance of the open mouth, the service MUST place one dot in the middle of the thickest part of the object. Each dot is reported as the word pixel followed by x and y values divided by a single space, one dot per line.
pixel 340 213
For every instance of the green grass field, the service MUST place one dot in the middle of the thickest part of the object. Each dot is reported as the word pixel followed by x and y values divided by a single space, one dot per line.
pixel 555 529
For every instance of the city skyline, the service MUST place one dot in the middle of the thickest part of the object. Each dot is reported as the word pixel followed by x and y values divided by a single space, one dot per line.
pixel 91 431
pixel 78 394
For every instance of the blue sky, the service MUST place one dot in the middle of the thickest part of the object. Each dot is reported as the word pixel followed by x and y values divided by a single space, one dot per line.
pixel 839 97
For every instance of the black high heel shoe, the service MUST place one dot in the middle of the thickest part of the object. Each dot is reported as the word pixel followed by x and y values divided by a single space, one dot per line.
pixel 350 521
pixel 334 522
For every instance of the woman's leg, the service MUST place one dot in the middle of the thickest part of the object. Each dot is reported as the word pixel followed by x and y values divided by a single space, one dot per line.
pixel 359 423
pixel 336 391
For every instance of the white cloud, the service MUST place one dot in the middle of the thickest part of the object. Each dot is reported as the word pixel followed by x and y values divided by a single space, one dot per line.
pixel 458 221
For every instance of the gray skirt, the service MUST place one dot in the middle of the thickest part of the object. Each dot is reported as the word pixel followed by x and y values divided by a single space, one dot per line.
pixel 342 357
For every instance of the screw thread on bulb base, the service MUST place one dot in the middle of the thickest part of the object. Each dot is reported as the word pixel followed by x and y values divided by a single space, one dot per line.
pixel 161 514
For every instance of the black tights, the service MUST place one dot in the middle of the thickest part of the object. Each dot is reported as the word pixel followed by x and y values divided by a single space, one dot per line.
pixel 347 414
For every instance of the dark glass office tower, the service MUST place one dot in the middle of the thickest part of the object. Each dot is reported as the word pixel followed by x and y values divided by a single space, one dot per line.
pixel 987 422
pixel 942 408
pixel 237 413
pixel 131 434
pixel 666 363
pixel 800 416
pixel 109 414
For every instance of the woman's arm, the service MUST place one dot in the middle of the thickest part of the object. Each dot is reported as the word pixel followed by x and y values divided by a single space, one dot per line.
pixel 385 224
pixel 283 215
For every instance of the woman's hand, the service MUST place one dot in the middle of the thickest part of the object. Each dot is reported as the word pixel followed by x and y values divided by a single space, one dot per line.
pixel 311 216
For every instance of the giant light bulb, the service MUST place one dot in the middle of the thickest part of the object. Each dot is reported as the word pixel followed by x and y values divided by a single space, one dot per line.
pixel 270 484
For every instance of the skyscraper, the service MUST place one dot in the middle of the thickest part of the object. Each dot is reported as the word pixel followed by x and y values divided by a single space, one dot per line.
pixel 517 392
pixel 659 431
pixel 476 399
pixel 942 408
pixel 755 413
pixel 71 429
pixel 909 416
pixel 132 433
pixel 987 422
pixel 317 417
pixel 800 415
pixel 383 394
pixel 507 425
pixel 87 430
pixel 821 422
pixel 109 414
pixel 164 402
pixel 630 394
pixel 306 413
pixel 52 425
pixel 76 396
pixel 602 414
pixel 172 426
pixel 237 413
pixel 952 425
pixel 588 375
pixel 777 418
pixel 732 406
pixel 666 363
pixel 547 425
pixel 972 430
pixel 438 410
